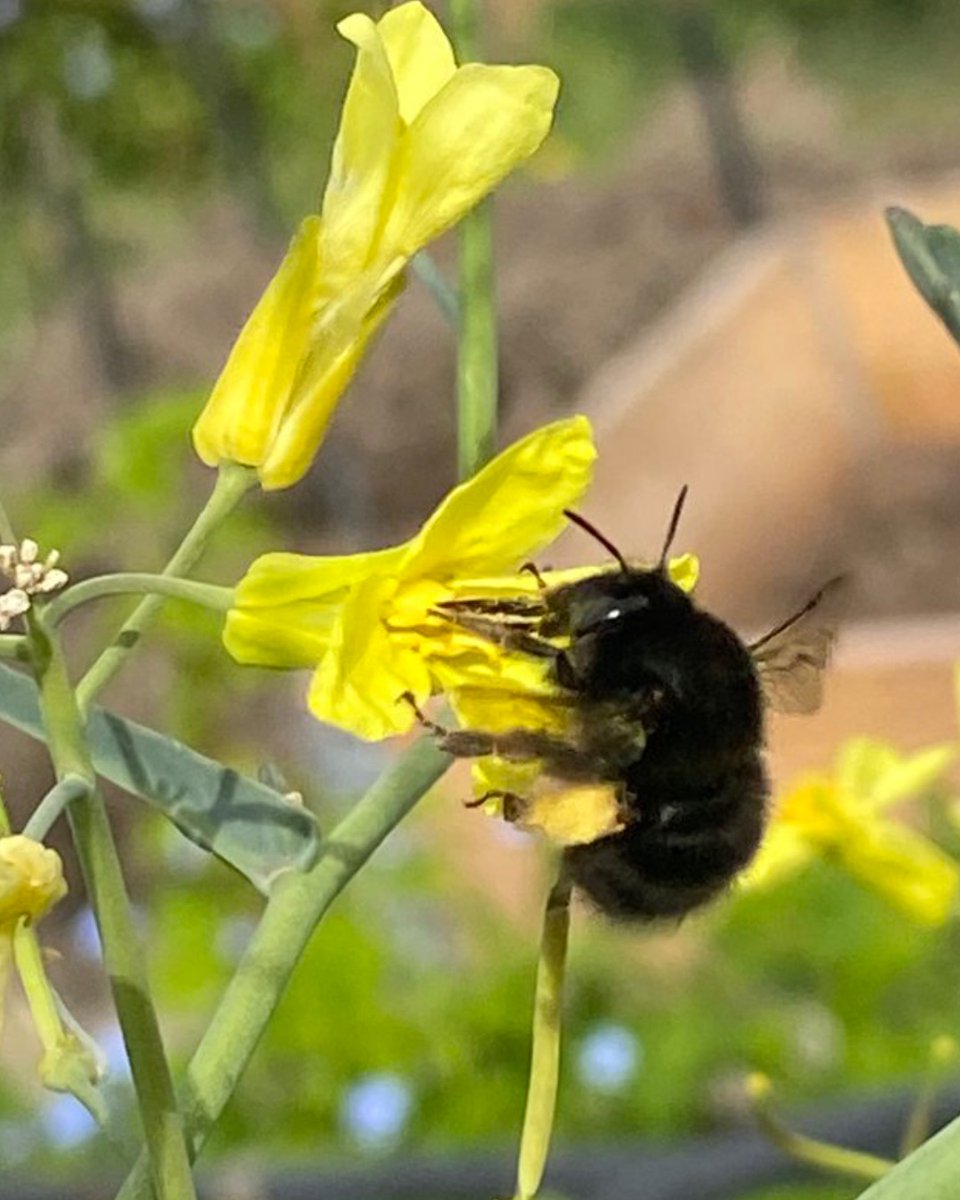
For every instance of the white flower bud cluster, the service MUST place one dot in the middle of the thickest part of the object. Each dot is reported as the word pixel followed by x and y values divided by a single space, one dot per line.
pixel 28 575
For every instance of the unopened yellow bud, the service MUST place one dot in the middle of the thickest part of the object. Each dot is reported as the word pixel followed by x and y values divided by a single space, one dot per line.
pixel 944 1050
pixel 31 879
pixel 759 1087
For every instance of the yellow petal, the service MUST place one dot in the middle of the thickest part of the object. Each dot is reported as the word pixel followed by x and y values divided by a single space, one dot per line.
pixel 494 774
pixel 904 867
pixel 462 144
pixel 860 763
pixel 784 851
pixel 338 343
pixel 279 578
pixel 496 704
pixel 359 683
pixel 911 776
pixel 511 509
pixel 499 708
pixel 287 605
pixel 420 54
pixel 684 571
pixel 251 396
pixel 295 637
pixel 363 157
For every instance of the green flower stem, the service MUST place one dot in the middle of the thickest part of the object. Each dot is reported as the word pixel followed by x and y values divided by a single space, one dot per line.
pixel 163 1130
pixel 296 906
pixel 943 1058
pixel 209 595
pixel 64 792
pixel 919 1120
pixel 13 645
pixel 67 1065
pixel 545 1055
pixel 477 357
pixel 477 382
pixel 432 278
pixel 233 481
pixel 823 1155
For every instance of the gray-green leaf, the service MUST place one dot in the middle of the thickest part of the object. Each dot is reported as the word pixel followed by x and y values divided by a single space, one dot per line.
pixel 931 255
pixel 247 824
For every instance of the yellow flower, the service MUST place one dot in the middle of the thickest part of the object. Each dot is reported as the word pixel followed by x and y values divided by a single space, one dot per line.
pixel 421 141
pixel 364 621
pixel 31 881
pixel 841 819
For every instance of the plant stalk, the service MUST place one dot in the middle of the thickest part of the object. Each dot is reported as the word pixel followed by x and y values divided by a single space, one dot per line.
pixel 208 595
pixel 296 906
pixel 169 1165
pixel 233 481
pixel 477 351
pixel 838 1160
pixel 64 792
pixel 545 1053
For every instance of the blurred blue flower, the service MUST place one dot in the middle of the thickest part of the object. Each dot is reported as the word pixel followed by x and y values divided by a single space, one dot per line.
pixel 10 11
pixel 157 10
pixel 375 1110
pixel 66 1122
pixel 608 1057
pixel 88 66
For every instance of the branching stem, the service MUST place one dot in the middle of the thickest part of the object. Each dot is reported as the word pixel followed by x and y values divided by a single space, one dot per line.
pixel 233 481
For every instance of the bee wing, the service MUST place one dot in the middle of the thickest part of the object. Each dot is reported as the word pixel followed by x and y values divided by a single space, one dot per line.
pixel 791 669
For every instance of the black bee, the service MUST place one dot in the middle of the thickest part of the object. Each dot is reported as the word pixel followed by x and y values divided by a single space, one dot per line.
pixel 667 703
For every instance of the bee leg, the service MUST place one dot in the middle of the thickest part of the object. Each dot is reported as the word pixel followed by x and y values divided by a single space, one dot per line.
pixel 513 808
pixel 508 798
pixel 501 633
pixel 461 743
pixel 534 570
pixel 526 608
pixel 524 745
pixel 422 719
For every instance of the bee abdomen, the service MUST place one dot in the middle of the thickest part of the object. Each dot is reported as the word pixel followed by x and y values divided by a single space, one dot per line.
pixel 680 854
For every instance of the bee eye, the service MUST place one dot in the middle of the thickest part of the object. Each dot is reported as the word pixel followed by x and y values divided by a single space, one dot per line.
pixel 613 614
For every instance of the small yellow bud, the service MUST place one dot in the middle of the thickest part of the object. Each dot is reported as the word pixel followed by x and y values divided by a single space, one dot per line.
pixel 759 1087
pixel 31 880
pixel 944 1050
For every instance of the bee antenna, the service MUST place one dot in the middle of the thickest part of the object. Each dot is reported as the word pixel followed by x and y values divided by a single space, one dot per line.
pixel 810 605
pixel 674 522
pixel 597 536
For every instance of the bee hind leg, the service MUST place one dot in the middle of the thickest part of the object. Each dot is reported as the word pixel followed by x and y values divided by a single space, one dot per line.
pixel 461 743
pixel 512 803
pixel 518 745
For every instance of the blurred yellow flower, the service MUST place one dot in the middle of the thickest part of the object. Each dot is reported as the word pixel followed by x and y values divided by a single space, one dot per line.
pixel 31 881
pixel 842 820
pixel 421 141
pixel 365 621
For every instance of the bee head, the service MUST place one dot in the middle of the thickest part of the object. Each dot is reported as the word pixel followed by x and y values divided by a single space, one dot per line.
pixel 626 571
pixel 614 601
